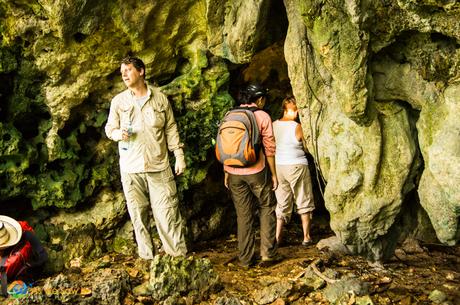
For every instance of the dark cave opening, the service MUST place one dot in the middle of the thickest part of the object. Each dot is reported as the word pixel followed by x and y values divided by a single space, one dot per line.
pixel 18 208
pixel 6 82
pixel 113 75
pixel 79 37
pixel 274 76
pixel 268 67
pixel 81 122
pixel 55 166
pixel 33 117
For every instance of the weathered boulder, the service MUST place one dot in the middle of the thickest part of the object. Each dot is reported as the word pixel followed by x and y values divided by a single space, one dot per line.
pixel 103 286
pixel 341 291
pixel 237 29
pixel 172 277
pixel 272 292
pixel 84 235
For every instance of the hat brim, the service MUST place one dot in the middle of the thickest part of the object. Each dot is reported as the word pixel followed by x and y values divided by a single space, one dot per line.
pixel 14 230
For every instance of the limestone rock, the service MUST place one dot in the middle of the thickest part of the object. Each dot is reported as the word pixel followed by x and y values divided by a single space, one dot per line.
pixel 189 277
pixel 227 301
pixel 110 286
pixel 124 241
pixel 375 103
pixel 271 293
pixel 236 29
pixel 333 244
pixel 106 214
pixel 70 75
pixel 340 291
pixel 437 296
pixel 104 286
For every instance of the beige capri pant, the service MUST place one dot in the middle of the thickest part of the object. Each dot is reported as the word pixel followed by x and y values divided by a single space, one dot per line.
pixel 294 184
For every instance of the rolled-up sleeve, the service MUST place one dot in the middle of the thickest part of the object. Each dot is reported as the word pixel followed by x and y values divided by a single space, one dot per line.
pixel 266 131
pixel 112 128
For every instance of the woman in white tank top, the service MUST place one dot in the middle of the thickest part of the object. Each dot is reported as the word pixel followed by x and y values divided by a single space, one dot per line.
pixel 294 182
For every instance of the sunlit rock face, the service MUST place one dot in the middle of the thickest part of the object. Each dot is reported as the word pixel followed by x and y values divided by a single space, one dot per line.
pixel 59 70
pixel 60 63
pixel 377 84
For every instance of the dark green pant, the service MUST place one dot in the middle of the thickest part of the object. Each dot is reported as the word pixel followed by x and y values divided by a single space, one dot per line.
pixel 251 192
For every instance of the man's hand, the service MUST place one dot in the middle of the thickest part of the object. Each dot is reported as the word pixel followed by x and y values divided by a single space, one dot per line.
pixel 275 182
pixel 125 134
pixel 180 166
pixel 271 165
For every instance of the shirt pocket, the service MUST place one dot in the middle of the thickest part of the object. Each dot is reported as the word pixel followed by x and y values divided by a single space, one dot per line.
pixel 126 114
pixel 154 118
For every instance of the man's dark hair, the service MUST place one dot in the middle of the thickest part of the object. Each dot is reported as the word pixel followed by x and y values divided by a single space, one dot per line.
pixel 135 61
pixel 251 93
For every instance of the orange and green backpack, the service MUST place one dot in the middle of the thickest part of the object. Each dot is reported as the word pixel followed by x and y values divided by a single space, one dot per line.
pixel 238 139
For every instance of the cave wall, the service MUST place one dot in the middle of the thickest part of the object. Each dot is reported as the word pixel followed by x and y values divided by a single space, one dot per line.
pixel 377 85
pixel 60 64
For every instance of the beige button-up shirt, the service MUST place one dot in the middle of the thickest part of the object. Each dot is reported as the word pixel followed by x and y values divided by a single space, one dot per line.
pixel 153 128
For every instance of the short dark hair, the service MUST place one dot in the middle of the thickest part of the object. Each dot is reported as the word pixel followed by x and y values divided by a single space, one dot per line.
pixel 251 93
pixel 135 61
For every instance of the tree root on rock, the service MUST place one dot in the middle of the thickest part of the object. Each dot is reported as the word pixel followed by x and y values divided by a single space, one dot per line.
pixel 315 269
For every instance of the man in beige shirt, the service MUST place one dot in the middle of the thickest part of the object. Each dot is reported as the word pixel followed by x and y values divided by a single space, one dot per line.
pixel 142 122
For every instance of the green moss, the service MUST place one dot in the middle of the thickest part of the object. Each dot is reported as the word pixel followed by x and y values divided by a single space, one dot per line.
pixel 8 61
pixel 200 99
pixel 123 245
pixel 61 68
pixel 182 276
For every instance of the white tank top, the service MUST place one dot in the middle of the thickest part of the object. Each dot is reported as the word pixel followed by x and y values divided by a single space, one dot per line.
pixel 289 150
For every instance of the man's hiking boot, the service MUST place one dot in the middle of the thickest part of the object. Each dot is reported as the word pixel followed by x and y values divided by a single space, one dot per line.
pixel 270 261
pixel 249 265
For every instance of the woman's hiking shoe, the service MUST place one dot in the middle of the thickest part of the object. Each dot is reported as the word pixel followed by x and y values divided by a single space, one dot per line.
pixel 307 243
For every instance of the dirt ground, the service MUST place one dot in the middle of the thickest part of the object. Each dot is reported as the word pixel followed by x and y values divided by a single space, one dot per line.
pixel 408 278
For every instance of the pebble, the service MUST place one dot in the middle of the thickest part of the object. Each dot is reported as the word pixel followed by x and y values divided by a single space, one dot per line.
pixel 437 296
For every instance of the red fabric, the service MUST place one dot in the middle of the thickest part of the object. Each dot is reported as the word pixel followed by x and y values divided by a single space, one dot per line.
pixel 19 255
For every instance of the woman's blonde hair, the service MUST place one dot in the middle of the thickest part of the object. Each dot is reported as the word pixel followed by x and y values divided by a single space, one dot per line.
pixel 288 100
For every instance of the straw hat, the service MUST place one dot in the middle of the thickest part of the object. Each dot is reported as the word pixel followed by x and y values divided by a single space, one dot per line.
pixel 10 232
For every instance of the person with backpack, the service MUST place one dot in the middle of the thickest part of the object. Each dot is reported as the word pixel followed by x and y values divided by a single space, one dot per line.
pixel 246 145
pixel 293 173
pixel 141 120
pixel 20 250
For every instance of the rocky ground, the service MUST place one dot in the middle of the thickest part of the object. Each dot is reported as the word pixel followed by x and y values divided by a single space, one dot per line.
pixel 417 274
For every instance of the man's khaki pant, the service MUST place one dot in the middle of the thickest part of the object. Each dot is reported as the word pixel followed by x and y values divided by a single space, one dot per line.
pixel 155 191
pixel 251 192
